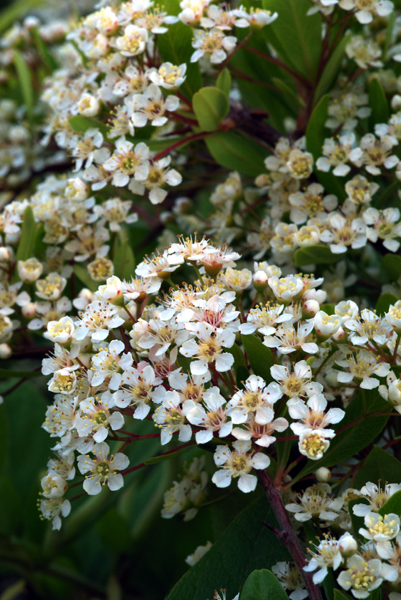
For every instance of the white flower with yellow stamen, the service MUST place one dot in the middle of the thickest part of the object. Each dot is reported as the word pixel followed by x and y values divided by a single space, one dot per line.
pixel 139 387
pixel 133 41
pixel 168 76
pixel 96 418
pixel 316 503
pixel 51 287
pixel 209 349
pixel 103 469
pixel 363 367
pixel 361 576
pixel 107 364
pixel 238 463
pixel 379 528
pixel 29 270
pixel 377 497
pixel 258 398
pixel 61 331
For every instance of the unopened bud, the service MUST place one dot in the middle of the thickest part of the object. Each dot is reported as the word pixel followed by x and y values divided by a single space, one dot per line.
pixel 5 253
pixel 396 102
pixel 260 281
pixel 347 545
pixel 340 336
pixel 323 475
pixel 5 351
pixel 29 311
pixel 326 325
pixel 310 308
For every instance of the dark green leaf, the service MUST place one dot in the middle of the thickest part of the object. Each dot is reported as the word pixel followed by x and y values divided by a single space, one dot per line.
pixel 260 357
pixel 392 264
pixel 124 262
pixel 224 81
pixel 7 374
pixel 327 308
pixel 236 152
pixel 175 46
pixel 292 32
pixel 379 466
pixel 25 81
pixel 331 69
pixel 384 302
pixel 315 255
pixel 357 522
pixel 378 103
pixel 14 11
pixel 47 57
pixel 245 545
pixel 263 585
pixel 3 438
pixel 211 107
pixel 341 595
pixel 81 124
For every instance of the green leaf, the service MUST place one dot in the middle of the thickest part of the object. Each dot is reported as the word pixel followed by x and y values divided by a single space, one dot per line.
pixel 83 275
pixel 27 241
pixel 384 302
pixel 392 264
pixel 393 505
pixel 25 81
pixel 327 308
pixel 3 438
pixel 388 198
pixel 224 81
pixel 211 107
pixel 331 69
pixel 316 133
pixel 236 152
pixel 292 34
pixel 378 103
pixel 158 459
pixel 378 466
pixel 124 262
pixel 240 367
pixel 357 522
pixel 356 437
pixel 260 356
pixel 315 255
pixel 244 546
pixel 263 585
pixel 175 46
pixel 341 595
pixel 82 124
pixel 47 57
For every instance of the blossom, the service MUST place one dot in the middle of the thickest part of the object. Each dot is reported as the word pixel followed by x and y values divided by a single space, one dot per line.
pixel 103 469
pixel 238 463
pixel 258 398
pixel 138 389
pixel 316 503
pixel 313 417
pixel 364 10
pixel 97 320
pixel 326 554
pixel 210 414
pixel 170 418
pixel 209 349
pixel 361 576
pixel 362 367
pixel 96 419
pixel 213 44
pixel 297 384
pixel 337 154
pixel 379 528
pixel 377 497
pixel 290 578
pixel 151 106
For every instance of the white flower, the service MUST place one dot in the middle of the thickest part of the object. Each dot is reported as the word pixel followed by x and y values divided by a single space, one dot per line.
pixel 128 162
pixel 288 339
pixel 361 367
pixel 209 349
pixel 168 76
pixel 313 416
pixel 103 469
pixel 61 331
pixel 316 503
pixel 96 419
pixel 138 389
pixel 97 320
pixel 377 497
pixel 290 578
pixel 326 554
pixel 53 486
pixel 170 418
pixel 297 384
pixel 151 106
pixel 286 288
pixel 213 44
pixel 380 529
pixel 361 576
pixel 210 415
pixel 326 325
pixel 108 365
pixel 258 398
pixel 133 41
pixel 365 9
pixel 238 463
pixel 368 327
pixel 263 319
pixel 52 508
pixel 29 270
pixel 386 226
pixel 342 232
pixel 200 551
pixel 337 155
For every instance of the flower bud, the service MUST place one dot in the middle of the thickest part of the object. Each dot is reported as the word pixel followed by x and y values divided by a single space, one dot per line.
pixel 5 351
pixel 30 310
pixel 323 475
pixel 310 308
pixel 6 253
pixel 29 270
pixel 260 281
pixel 60 331
pixel 347 545
pixel 88 106
pixel 340 336
pixel 396 102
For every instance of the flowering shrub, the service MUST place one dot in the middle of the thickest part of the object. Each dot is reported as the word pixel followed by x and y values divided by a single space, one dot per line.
pixel 200 235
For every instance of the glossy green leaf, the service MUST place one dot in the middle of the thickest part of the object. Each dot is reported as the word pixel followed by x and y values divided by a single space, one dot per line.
pixel 393 505
pixel 384 302
pixel 245 545
pixel 341 595
pixel 316 133
pixel 327 308
pixel 239 360
pixel 260 356
pixel 292 33
pixel 124 262
pixel 262 585
pixel 315 255
pixel 223 81
pixel 211 107
pixel 236 152
pixel 331 69
pixel 389 197
pixel 27 242
pixel 25 82
pixel 378 103
pixel 175 46
pixel 392 265
pixel 378 466
pixel 357 522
